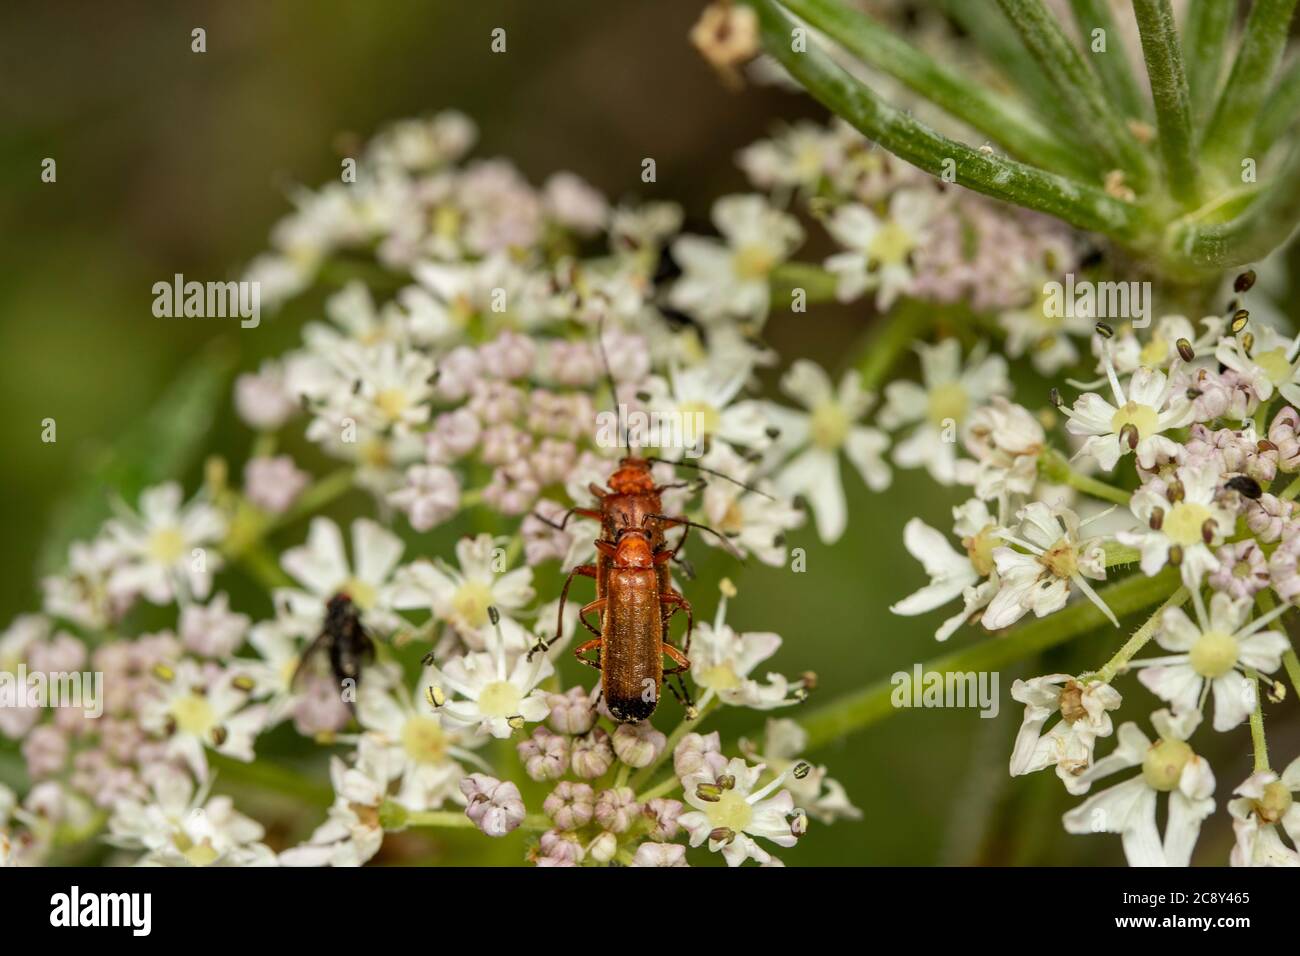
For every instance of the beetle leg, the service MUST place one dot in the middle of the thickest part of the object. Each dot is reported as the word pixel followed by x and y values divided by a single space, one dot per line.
pixel 675 601
pixel 598 606
pixel 681 660
pixel 583 570
pixel 582 649
pixel 560 525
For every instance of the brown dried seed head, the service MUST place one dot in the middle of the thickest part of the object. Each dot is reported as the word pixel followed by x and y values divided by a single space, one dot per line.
pixel 1072 702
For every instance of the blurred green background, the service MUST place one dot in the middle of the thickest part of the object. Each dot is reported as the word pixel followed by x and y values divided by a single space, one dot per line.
pixel 171 161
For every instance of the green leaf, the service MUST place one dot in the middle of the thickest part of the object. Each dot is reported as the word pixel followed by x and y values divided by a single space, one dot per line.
pixel 159 446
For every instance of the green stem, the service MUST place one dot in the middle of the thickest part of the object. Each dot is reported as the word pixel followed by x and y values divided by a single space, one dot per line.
pixel 1266 222
pixel 890 337
pixel 1248 84
pixel 1056 468
pixel 1164 60
pixel 262 565
pixel 1205 40
pixel 268 776
pixel 1077 87
pixel 1292 665
pixel 316 497
pixel 859 709
pixel 817 284
pixel 456 819
pixel 1001 119
pixel 684 727
pixel 1003 51
pixel 1117 554
pixel 1257 739
pixel 1279 112
pixel 1139 639
pixel 1112 65
pixel 1291 490
pixel 1084 206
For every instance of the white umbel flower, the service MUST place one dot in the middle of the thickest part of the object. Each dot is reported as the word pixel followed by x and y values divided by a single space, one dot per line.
pixel 739 813
pixel 1169 766
pixel 1068 746
pixel 168 550
pixel 1211 653
pixel 1264 803
pixel 1184 523
pixel 878 249
pixel 1135 423
pixel 321 566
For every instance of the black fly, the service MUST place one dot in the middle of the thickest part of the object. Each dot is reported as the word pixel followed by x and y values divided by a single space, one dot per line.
pixel 346 639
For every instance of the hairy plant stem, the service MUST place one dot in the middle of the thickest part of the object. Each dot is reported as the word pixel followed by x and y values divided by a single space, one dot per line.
pixel 1205 40
pixel 859 709
pixel 1257 59
pixel 1164 59
pixel 1257 739
pixel 1279 112
pixel 1078 87
pixel 1267 221
pixel 1112 65
pixel 1077 203
pixel 1139 639
pixel 1003 120
pixel 1056 468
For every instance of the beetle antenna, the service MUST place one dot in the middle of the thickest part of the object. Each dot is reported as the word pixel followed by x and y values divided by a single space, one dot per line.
pixel 613 387
pixel 736 552
pixel 716 474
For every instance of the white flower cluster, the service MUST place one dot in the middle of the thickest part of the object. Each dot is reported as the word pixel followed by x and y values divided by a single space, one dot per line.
pixel 1191 434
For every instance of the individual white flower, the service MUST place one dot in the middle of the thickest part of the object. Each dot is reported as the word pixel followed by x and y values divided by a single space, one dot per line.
pixel 703 398
pixel 939 405
pixel 729 812
pixel 1135 423
pixel 1265 802
pixel 1006 441
pixel 497 691
pixel 430 496
pixel 167 550
pixel 878 249
pixel 1184 521
pixel 353 832
pixel 1068 746
pixel 180 826
pixel 1057 559
pixel 1266 364
pixel 1211 653
pixel 971 576
pixel 424 142
pixel 392 389
pixel 731 278
pixel 816 438
pixel 194 711
pixel 425 752
pixel 783 742
pixel 82 592
pixel 1168 766
pixel 722 661
pixel 754 521
pixel 796 158
pixel 321 567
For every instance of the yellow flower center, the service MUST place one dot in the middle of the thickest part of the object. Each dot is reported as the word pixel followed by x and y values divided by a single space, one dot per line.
pixel 829 426
pixel 1164 762
pixel 363 595
pixel 424 740
pixel 710 418
pixel 1185 523
pixel 393 402
pixel 375 453
pixel 1142 417
pixel 980 549
pixel 500 699
pixel 1275 803
pixel 1154 352
pixel 1062 560
pixel 167 545
pixel 947 401
pixel 198 854
pixel 719 677
pixel 753 261
pixel 1275 365
pixel 730 812
pixel 891 245
pixel 471 603
pixel 193 714
pixel 1214 654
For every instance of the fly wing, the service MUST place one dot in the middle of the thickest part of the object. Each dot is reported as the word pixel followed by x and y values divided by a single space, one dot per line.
pixel 312 649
